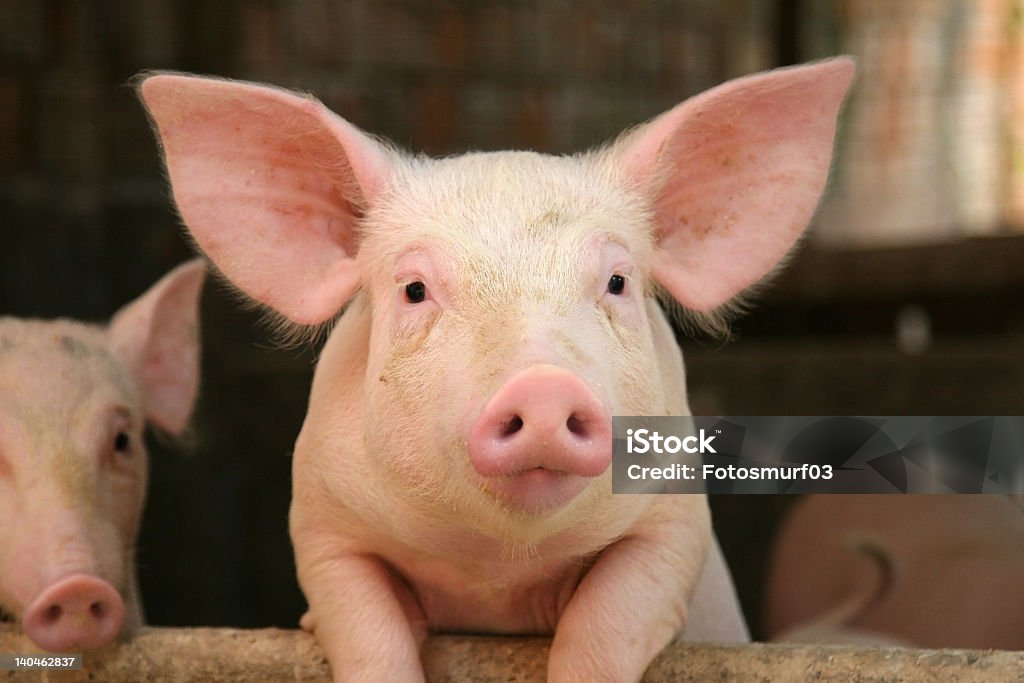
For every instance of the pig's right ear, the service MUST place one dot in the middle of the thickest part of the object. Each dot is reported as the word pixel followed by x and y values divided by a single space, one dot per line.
pixel 157 336
pixel 271 185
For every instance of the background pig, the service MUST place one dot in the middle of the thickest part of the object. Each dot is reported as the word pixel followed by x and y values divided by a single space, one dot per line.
pixel 452 472
pixel 929 570
pixel 74 399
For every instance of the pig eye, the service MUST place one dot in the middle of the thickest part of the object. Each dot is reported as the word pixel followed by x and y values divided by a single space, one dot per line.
pixel 415 292
pixel 121 442
pixel 616 284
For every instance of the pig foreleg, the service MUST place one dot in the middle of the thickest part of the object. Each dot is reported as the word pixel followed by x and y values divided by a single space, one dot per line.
pixel 365 618
pixel 634 600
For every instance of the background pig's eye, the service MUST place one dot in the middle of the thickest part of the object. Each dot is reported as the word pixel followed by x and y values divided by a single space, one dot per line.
pixel 121 442
pixel 616 284
pixel 415 292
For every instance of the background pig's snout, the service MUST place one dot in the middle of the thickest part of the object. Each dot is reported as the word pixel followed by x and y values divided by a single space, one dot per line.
pixel 77 612
pixel 543 417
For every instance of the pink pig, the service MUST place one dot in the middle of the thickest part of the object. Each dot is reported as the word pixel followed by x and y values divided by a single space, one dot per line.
pixel 452 474
pixel 936 571
pixel 73 402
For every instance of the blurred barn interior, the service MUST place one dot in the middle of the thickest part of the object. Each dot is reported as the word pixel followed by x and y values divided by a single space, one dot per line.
pixel 906 298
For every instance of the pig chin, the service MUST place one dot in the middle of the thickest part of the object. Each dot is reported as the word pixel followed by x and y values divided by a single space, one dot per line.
pixel 535 491
pixel 527 531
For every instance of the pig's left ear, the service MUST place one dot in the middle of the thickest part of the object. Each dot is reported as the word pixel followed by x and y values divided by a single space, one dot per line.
pixel 157 336
pixel 735 175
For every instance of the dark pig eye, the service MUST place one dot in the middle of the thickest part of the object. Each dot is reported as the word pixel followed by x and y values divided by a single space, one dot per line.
pixel 616 284
pixel 415 292
pixel 121 442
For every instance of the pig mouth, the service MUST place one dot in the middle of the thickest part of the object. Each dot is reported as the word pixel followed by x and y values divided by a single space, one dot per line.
pixel 536 490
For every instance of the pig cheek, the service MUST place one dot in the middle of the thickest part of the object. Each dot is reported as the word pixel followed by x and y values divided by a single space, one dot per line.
pixel 123 501
pixel 112 526
pixel 406 401
pixel 116 518
pixel 632 381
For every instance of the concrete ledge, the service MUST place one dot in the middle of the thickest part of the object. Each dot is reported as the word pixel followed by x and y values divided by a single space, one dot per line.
pixel 275 655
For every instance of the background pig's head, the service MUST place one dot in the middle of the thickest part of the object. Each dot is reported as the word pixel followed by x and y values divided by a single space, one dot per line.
pixel 500 304
pixel 74 399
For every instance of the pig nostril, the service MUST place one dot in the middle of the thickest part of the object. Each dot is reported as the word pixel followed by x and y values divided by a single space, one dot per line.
pixel 576 425
pixel 97 610
pixel 52 614
pixel 512 426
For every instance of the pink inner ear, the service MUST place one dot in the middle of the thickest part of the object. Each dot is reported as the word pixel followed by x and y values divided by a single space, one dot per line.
pixel 157 335
pixel 737 174
pixel 270 184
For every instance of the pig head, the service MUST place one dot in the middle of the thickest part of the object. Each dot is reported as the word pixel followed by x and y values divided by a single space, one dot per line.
pixel 452 473
pixel 74 399
pixel 936 571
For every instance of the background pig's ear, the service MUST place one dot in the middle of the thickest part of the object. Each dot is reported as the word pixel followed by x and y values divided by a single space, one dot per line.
pixel 157 335
pixel 736 174
pixel 270 184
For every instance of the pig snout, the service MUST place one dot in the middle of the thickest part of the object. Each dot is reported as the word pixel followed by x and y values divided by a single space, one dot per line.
pixel 76 612
pixel 540 437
